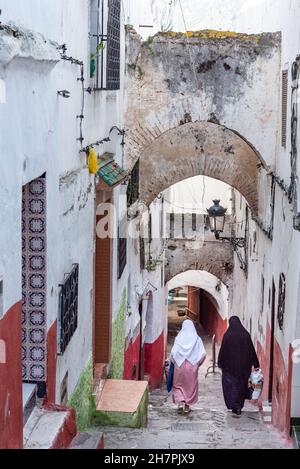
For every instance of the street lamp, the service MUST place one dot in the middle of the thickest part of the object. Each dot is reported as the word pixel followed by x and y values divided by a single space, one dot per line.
pixel 217 218
pixel 216 215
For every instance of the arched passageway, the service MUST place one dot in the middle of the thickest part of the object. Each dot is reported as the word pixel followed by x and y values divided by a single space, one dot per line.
pixel 200 148
pixel 205 299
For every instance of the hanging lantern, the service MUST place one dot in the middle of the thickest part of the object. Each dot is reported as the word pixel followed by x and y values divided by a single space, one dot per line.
pixel 217 215
pixel 92 161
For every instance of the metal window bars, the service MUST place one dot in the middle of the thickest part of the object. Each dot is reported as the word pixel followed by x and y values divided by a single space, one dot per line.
pixel 68 308
pixel 105 44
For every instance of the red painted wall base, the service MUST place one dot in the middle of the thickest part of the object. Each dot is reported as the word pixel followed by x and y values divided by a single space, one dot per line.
pixel 154 362
pixel 210 319
pixel 11 409
pixel 131 359
pixel 68 431
pixel 51 363
pixel 282 383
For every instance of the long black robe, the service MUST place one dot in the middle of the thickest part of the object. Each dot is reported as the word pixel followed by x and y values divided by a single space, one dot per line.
pixel 236 358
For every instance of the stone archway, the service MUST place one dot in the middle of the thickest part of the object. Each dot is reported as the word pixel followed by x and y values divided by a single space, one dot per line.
pixel 194 102
pixel 200 148
pixel 215 258
pixel 206 281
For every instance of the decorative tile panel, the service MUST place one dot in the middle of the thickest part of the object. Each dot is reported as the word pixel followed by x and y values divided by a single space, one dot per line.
pixel 34 324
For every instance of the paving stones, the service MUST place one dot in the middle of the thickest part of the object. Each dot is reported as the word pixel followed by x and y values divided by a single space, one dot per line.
pixel 209 425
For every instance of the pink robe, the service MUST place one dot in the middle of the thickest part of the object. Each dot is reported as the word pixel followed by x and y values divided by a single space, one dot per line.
pixel 185 383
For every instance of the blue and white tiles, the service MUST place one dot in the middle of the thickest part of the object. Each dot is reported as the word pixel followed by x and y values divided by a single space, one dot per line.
pixel 34 324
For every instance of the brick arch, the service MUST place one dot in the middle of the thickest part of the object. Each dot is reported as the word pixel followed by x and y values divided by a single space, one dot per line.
pixel 214 258
pixel 199 148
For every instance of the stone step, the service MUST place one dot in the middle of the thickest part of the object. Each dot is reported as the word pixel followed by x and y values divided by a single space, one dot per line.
pixel 122 404
pixel 296 437
pixel 266 411
pixel 88 440
pixel 29 400
pixel 50 428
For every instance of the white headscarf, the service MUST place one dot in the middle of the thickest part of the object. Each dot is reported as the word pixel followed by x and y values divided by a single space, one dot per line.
pixel 188 345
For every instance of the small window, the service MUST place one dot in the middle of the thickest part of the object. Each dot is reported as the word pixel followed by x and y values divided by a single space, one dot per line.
pixel 105 34
pixel 142 253
pixel 122 248
pixel 281 301
pixel 162 219
pixel 285 79
pixel 133 185
pixel 183 225
pixel 194 222
pixel 262 298
pixel 172 225
pixel 68 308
pixel 1 299
pixel 150 228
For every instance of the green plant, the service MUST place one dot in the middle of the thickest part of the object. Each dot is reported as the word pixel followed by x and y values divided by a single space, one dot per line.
pixel 148 43
pixel 152 264
pixel 93 56
pixel 136 68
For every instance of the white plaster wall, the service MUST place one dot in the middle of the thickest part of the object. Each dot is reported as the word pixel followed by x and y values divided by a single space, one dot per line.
pixel 207 282
pixel 196 195
pixel 39 132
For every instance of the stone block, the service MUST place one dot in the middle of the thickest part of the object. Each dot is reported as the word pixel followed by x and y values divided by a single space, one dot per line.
pixel 123 404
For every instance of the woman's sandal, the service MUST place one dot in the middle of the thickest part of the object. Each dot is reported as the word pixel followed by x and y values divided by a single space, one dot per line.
pixel 186 409
pixel 181 408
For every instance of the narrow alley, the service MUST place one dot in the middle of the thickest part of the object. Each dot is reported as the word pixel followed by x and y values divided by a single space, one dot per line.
pixel 150 190
pixel 208 426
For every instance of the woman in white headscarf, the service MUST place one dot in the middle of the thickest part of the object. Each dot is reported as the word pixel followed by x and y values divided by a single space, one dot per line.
pixel 188 354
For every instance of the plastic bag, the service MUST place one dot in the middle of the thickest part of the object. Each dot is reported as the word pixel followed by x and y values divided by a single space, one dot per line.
pixel 256 381
pixel 170 376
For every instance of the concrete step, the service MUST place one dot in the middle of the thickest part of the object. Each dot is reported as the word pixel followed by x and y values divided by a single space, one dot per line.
pixel 50 428
pixel 100 376
pixel 266 411
pixel 88 440
pixel 296 437
pixel 29 400
pixel 122 404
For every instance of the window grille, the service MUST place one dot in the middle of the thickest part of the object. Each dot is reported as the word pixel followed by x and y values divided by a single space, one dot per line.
pixel 142 253
pixel 281 301
pixel 194 221
pixel 122 249
pixel 284 107
pixel 172 225
pixel 150 239
pixel 105 44
pixel 262 297
pixel 68 308
pixel 133 185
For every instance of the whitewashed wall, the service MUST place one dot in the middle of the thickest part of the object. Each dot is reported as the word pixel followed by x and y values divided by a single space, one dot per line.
pixel 39 132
